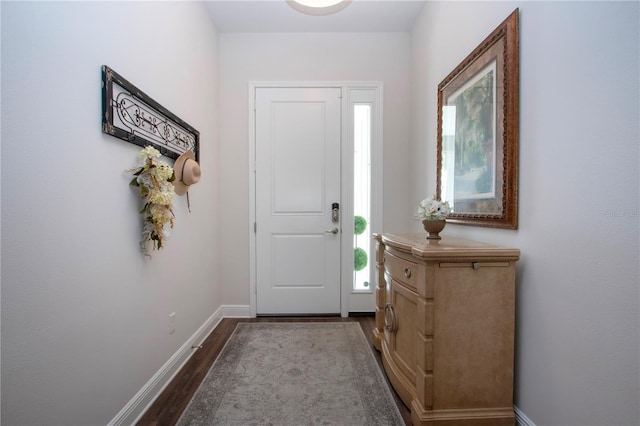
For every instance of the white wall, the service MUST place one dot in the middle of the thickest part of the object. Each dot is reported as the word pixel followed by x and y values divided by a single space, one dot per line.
pixel 303 57
pixel 84 314
pixel 577 314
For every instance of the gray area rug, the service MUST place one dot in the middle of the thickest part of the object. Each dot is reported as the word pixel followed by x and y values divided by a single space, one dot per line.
pixel 314 373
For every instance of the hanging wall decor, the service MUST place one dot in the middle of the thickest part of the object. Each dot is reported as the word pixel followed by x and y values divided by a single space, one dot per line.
pixel 154 178
pixel 478 132
pixel 131 115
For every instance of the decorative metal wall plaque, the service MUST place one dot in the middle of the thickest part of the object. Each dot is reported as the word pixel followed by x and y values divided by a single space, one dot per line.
pixel 129 114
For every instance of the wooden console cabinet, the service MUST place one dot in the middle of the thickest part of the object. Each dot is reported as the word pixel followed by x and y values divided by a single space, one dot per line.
pixel 445 326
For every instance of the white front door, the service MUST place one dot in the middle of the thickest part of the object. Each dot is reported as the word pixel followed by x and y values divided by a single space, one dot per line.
pixel 297 182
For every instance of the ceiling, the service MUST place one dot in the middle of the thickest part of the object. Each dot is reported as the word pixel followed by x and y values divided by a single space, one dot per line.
pixel 271 16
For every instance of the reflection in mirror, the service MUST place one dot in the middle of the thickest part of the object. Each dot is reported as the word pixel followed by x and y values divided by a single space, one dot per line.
pixel 448 153
pixel 469 144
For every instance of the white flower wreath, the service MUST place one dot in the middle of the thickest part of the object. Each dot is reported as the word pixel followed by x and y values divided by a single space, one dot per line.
pixel 154 178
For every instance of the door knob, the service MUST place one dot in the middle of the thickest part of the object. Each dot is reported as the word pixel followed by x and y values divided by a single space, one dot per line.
pixel 332 231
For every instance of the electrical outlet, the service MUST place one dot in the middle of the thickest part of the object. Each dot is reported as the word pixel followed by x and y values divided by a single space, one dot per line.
pixel 172 322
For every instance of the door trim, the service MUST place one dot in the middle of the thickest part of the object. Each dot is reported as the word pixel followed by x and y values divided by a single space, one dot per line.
pixel 346 203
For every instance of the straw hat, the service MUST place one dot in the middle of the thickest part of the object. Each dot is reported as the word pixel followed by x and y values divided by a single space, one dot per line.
pixel 187 171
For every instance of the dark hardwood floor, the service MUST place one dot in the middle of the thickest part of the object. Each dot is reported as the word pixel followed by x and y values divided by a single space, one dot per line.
pixel 166 410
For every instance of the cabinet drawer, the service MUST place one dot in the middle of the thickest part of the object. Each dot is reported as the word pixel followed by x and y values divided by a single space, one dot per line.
pixel 401 270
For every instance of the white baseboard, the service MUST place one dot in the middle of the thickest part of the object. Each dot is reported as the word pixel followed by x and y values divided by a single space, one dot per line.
pixel 521 419
pixel 236 311
pixel 141 402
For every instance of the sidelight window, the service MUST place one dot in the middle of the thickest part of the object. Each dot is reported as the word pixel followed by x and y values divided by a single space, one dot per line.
pixel 362 197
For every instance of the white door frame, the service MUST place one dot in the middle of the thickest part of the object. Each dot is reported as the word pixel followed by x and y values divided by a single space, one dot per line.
pixel 346 203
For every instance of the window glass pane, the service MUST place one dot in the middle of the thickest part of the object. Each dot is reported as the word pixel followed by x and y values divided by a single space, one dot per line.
pixel 362 195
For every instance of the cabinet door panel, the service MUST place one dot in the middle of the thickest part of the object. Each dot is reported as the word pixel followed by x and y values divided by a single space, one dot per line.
pixel 474 329
pixel 404 340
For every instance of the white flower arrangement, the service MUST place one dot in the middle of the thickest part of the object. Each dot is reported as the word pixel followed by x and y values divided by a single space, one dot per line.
pixel 154 178
pixel 432 209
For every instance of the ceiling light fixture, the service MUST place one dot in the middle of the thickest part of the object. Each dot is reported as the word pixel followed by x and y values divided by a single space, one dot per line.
pixel 318 7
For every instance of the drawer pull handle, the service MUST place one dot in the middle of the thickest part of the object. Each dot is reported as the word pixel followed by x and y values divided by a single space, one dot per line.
pixel 407 272
pixel 390 323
